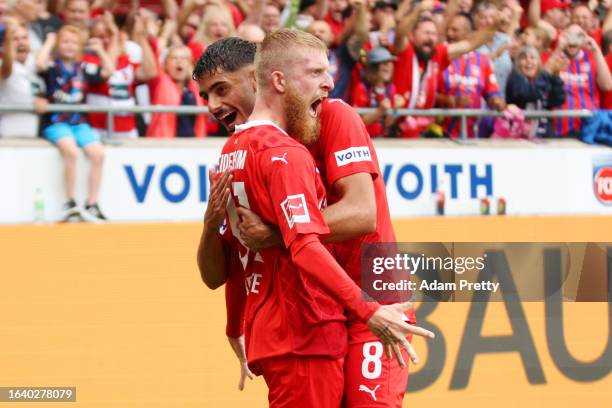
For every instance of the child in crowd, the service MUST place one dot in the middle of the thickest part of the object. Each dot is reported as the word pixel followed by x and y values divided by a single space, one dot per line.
pixel 59 63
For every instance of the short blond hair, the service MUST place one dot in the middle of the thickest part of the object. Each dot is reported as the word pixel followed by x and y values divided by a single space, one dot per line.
pixel 71 29
pixel 280 49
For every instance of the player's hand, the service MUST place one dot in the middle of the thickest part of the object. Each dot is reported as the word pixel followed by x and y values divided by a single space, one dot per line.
pixel 254 232
pixel 388 324
pixel 237 344
pixel 218 197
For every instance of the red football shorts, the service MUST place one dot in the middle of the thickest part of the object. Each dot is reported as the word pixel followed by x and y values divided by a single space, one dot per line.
pixel 303 382
pixel 371 379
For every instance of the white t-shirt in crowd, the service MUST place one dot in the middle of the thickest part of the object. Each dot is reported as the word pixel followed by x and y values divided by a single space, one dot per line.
pixel 19 90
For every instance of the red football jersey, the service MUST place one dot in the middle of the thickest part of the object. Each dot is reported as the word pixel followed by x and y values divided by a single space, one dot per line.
pixel 118 90
pixel 345 148
pixel 285 313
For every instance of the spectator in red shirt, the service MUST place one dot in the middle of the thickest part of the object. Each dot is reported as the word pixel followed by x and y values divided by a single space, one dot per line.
pixel 173 86
pixel 134 61
pixel 585 77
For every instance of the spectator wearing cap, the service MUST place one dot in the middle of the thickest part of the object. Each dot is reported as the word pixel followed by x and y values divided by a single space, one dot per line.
pixel 343 58
pixel 531 86
pixel 585 77
pixel 498 47
pixel 174 86
pixel 383 23
pixel 468 81
pixel 420 60
pixel 376 90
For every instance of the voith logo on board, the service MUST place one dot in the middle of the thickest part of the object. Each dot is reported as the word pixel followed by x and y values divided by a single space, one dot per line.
pixel 602 179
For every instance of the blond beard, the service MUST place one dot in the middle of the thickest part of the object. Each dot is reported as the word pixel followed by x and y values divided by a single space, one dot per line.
pixel 300 125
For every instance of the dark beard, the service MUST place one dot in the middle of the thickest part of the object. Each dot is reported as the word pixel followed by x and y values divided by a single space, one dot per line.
pixel 424 55
pixel 300 125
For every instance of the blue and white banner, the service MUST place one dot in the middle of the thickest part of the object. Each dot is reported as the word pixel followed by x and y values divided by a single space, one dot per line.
pixel 169 182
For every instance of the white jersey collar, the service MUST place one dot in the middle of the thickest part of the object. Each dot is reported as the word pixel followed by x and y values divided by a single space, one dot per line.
pixel 254 123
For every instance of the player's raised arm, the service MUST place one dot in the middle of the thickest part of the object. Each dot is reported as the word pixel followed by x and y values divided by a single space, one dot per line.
pixel 212 253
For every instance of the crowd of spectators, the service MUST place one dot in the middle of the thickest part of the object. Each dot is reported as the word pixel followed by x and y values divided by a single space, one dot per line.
pixel 503 55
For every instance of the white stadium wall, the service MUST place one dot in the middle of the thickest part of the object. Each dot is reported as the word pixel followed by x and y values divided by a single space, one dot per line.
pixel 149 180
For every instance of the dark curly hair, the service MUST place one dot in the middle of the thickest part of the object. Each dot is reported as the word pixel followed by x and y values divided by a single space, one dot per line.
pixel 229 54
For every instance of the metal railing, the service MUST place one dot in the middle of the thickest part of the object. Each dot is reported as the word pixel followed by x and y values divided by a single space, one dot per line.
pixel 451 113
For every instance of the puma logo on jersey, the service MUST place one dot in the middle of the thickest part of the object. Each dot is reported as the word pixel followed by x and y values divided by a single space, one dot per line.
pixel 369 391
pixel 283 159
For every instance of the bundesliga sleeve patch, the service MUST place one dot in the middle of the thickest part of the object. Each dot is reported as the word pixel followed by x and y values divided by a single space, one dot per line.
pixel 352 155
pixel 295 210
